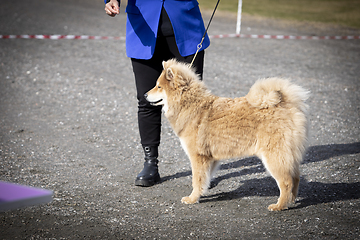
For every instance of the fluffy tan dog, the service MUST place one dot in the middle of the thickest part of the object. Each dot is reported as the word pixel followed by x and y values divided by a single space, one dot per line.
pixel 269 122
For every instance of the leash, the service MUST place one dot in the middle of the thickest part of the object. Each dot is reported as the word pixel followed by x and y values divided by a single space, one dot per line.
pixel 199 46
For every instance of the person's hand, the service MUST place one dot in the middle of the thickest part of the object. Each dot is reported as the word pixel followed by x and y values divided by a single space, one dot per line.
pixel 112 8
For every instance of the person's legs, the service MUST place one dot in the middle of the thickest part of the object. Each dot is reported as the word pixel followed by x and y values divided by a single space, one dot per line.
pixel 149 117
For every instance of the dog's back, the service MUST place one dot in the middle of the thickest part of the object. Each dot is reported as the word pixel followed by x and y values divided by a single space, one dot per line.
pixel 271 114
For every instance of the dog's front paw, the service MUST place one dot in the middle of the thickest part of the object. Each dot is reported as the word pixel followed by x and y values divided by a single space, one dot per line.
pixel 188 200
pixel 276 207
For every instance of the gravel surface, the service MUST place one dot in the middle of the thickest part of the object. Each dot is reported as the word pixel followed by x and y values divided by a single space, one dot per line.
pixel 68 124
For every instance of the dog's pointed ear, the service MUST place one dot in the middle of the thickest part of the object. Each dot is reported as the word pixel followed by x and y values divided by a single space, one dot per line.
pixel 169 74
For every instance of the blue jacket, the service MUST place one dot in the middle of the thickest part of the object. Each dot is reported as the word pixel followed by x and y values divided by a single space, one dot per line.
pixel 143 20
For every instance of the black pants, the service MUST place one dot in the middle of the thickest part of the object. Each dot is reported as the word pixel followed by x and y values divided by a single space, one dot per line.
pixel 146 73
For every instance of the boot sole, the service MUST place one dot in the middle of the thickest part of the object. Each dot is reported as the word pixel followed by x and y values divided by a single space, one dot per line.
pixel 146 183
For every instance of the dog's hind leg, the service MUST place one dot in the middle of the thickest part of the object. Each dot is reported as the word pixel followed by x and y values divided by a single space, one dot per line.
pixel 285 184
pixel 201 168
pixel 283 175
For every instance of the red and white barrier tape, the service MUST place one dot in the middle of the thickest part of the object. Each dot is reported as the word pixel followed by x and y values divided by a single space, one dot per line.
pixel 56 37
pixel 285 37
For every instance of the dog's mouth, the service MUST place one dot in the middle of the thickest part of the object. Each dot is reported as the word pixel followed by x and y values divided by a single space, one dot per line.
pixel 155 103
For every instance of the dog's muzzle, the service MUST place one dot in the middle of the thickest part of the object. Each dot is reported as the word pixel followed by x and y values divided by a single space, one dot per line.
pixel 152 103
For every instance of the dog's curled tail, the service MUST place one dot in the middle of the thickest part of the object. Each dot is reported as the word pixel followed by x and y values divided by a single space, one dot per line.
pixel 269 92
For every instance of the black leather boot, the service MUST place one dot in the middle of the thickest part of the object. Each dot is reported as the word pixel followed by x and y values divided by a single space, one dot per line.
pixel 150 174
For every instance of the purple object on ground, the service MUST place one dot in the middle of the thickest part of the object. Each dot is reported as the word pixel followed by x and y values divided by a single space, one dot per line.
pixel 14 196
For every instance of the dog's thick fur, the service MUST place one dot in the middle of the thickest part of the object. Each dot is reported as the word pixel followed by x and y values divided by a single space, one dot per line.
pixel 269 122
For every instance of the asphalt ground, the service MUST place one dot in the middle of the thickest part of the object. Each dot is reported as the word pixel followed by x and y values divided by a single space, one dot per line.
pixel 68 124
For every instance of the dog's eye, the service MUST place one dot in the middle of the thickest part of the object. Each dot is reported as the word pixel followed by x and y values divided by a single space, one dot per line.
pixel 159 86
